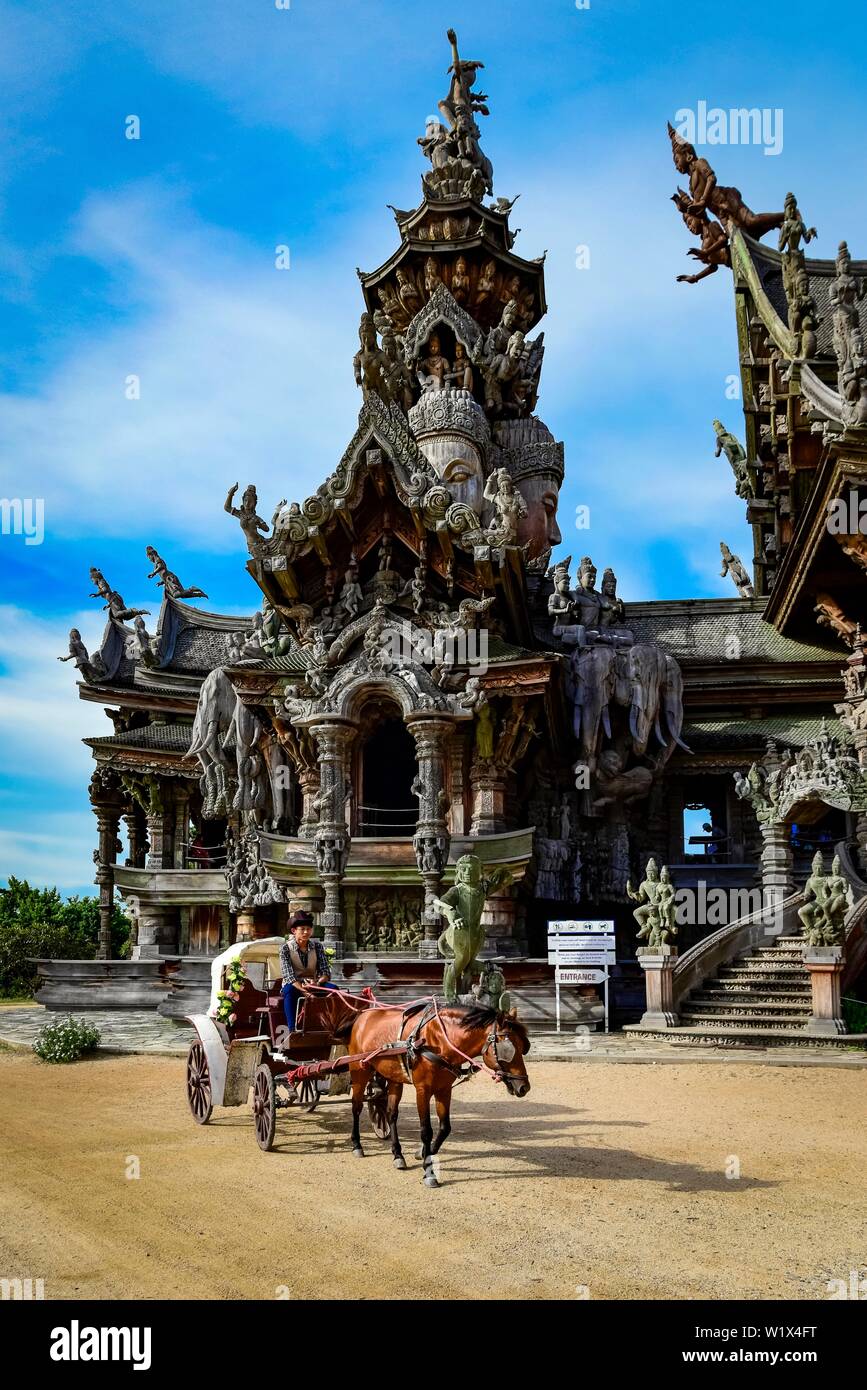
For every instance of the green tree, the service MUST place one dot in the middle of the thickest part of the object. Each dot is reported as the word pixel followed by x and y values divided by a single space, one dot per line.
pixel 36 923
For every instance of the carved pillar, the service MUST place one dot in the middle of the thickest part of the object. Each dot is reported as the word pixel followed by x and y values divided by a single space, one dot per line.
pixel 159 824
pixel 777 872
pixel 459 820
pixel 135 836
pixel 489 787
pixel 825 964
pixel 658 964
pixel 334 738
pixel 181 824
pixel 431 840
pixel 106 801
pixel 308 780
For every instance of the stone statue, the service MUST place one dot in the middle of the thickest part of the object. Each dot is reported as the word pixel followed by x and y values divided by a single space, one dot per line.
pixel 168 580
pixel 656 913
pixel 370 364
pixel 462 906
pixel 727 443
pixel 509 506
pixel 113 600
pixel 433 369
pixel 90 667
pixel 846 293
pixel 251 523
pixel 732 565
pixel 613 611
pixel 459 168
pixel 793 228
pixel 714 249
pixel 484 738
pixel 561 606
pixel 490 990
pixel 826 902
pixel 830 614
pixel 708 195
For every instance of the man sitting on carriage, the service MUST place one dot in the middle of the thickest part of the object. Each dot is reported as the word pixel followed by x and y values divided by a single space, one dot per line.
pixel 303 962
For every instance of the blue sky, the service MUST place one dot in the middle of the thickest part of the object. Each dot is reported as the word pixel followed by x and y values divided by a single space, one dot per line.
pixel 262 126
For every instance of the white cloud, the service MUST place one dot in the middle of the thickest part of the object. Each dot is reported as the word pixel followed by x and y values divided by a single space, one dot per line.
pixel 245 374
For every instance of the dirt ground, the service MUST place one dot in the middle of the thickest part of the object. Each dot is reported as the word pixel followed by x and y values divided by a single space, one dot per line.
pixel 607 1181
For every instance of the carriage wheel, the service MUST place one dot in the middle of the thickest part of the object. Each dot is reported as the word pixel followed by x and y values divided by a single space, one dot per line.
pixel 264 1107
pixel 199 1084
pixel 308 1095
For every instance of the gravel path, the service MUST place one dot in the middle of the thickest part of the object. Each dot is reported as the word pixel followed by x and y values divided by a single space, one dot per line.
pixel 607 1178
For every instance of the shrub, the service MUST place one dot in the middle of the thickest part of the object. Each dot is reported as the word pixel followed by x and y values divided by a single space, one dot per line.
pixel 37 923
pixel 66 1041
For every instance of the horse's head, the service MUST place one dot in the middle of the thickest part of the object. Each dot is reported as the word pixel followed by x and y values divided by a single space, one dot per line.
pixel 505 1049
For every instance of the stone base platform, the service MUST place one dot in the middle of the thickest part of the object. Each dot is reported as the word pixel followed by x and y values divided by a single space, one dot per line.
pixel 176 986
pixel 753 1038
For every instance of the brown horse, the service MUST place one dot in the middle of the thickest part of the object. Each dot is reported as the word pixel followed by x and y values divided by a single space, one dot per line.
pixel 441 1040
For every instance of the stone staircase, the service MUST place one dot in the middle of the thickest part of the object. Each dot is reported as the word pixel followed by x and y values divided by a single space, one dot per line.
pixel 766 990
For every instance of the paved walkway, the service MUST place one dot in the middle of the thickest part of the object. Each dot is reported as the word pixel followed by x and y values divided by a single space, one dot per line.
pixel 146 1031
pixel 135 1030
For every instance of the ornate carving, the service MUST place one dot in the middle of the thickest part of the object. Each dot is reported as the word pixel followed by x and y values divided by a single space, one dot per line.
pixel 826 902
pixel 734 451
pixel 459 169
pixel 846 293
pixel 733 566
pixel 168 580
pixel 656 913
pixel 248 881
pixel 823 770
pixel 706 195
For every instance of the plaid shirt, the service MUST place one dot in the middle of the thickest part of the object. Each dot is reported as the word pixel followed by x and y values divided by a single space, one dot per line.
pixel 288 969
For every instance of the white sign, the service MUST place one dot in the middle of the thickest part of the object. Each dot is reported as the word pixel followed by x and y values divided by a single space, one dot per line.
pixel 590 927
pixel 582 958
pixel 567 976
pixel 580 943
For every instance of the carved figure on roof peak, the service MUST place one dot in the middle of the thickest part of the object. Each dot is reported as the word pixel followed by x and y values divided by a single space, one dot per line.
pixel 113 600
pixel 167 578
pixel 709 196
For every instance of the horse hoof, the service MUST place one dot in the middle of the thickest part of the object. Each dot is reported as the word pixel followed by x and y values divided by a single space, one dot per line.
pixel 358 1153
pixel 400 1162
pixel 431 1181
pixel 419 1153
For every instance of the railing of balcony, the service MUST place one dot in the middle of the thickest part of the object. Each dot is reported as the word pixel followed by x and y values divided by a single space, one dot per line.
pixel 204 856
pixel 397 821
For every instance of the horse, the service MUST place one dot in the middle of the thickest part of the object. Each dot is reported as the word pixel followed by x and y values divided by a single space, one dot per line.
pixel 442 1042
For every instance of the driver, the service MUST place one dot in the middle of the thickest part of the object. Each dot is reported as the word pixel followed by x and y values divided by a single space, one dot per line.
pixel 303 962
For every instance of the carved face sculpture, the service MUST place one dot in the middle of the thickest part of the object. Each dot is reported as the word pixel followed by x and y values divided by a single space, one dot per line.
pixel 540 492
pixel 468 870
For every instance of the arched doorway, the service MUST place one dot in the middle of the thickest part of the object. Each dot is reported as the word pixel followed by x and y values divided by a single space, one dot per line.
pixel 386 804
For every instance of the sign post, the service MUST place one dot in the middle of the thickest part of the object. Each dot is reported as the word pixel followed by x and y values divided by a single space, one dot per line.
pixel 581 953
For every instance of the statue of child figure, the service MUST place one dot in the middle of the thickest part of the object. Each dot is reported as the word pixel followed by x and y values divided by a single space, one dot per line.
pixel 490 990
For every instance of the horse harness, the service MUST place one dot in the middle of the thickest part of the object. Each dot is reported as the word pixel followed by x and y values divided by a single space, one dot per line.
pixel 412 1047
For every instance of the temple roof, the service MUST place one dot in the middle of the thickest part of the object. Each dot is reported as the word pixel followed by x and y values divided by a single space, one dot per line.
pixel 163 738
pixel 788 730
pixel 821 273
pixel 700 630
